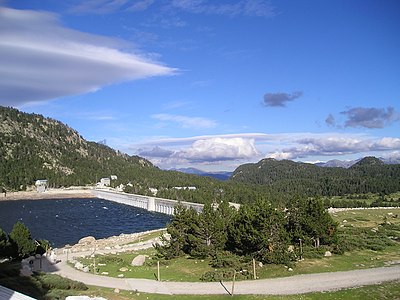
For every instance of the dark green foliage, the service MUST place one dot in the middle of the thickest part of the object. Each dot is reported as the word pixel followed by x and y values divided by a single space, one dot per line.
pixel 368 175
pixel 4 244
pixel 42 246
pixel 308 220
pixel 226 259
pixel 210 229
pixel 259 231
pixel 21 241
pixel 181 233
pixel 52 281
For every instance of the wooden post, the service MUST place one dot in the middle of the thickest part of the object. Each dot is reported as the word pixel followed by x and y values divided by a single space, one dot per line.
pixel 254 269
pixel 301 250
pixel 158 270
pixel 233 282
pixel 94 259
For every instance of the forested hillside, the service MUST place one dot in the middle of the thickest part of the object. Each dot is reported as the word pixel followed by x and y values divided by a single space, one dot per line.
pixel 33 147
pixel 368 175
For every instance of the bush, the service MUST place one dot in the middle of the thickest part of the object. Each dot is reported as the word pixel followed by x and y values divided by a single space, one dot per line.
pixel 52 281
pixel 226 259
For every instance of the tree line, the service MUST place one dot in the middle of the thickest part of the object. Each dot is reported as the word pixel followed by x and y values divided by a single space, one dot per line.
pixel 261 230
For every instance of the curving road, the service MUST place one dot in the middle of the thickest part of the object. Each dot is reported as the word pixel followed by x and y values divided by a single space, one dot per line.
pixel 298 284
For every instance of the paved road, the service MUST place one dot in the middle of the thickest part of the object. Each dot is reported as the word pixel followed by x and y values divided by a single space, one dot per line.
pixel 278 286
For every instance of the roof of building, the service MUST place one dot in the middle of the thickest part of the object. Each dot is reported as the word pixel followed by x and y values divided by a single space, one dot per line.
pixel 6 293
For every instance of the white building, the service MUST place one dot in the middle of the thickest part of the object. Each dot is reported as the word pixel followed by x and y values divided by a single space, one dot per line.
pixel 41 185
pixel 104 182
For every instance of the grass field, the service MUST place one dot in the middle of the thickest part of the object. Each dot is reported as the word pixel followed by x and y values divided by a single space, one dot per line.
pixel 368 244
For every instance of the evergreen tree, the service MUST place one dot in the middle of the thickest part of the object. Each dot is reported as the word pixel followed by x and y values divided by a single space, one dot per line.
pixel 259 231
pixel 21 241
pixel 308 219
pixel 4 244
pixel 209 232
pixel 180 232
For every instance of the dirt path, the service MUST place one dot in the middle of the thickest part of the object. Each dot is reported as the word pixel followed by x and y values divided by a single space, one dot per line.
pixel 297 284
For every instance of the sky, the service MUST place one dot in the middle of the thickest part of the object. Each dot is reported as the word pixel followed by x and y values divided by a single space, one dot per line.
pixel 210 84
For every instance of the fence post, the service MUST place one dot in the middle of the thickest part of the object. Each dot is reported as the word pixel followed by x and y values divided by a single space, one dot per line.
pixel 254 269
pixel 233 282
pixel 158 270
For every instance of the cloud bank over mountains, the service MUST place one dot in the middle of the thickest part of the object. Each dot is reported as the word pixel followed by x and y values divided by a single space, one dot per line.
pixel 253 147
pixel 40 59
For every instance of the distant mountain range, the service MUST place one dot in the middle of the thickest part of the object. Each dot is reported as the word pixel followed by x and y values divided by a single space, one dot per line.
pixel 336 163
pixel 218 175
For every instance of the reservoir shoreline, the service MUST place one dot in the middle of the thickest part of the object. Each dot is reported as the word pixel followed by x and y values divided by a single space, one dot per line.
pixel 77 193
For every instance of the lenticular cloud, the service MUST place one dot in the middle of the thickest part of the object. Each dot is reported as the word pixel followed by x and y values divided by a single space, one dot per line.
pixel 41 60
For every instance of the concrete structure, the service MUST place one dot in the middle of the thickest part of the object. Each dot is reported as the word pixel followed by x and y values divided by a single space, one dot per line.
pixel 165 206
pixel 104 182
pixel 41 185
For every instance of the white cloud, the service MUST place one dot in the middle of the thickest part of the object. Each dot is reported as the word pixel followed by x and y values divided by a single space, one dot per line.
pixel 186 122
pixel 40 59
pixel 335 146
pixel 219 149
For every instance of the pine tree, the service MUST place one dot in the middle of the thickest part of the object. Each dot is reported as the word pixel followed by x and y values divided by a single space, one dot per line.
pixel 21 241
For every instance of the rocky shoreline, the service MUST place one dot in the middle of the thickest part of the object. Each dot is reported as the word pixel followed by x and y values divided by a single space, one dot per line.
pixel 120 243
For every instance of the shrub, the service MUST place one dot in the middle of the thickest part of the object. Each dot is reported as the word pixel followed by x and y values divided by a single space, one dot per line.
pixel 52 281
pixel 226 259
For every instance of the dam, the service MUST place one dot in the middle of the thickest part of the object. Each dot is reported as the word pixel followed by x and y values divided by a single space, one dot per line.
pixel 160 205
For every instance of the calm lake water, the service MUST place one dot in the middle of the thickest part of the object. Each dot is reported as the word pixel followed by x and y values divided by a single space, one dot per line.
pixel 65 221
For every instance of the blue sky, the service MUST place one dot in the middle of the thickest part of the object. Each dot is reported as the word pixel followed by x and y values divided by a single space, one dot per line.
pixel 210 84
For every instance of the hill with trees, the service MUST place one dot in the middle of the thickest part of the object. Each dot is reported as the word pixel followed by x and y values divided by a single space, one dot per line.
pixel 33 147
pixel 369 175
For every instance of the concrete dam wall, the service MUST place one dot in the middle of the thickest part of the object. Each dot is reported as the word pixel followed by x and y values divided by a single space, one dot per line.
pixel 165 206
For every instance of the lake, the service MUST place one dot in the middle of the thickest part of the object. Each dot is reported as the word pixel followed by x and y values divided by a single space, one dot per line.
pixel 65 221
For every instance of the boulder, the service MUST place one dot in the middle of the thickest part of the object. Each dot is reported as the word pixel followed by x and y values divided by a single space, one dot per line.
pixel 87 240
pixel 138 261
pixel 79 266
pixel 328 254
pixel 123 269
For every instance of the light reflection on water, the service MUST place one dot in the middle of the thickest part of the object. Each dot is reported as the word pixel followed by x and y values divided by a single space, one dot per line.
pixel 65 221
